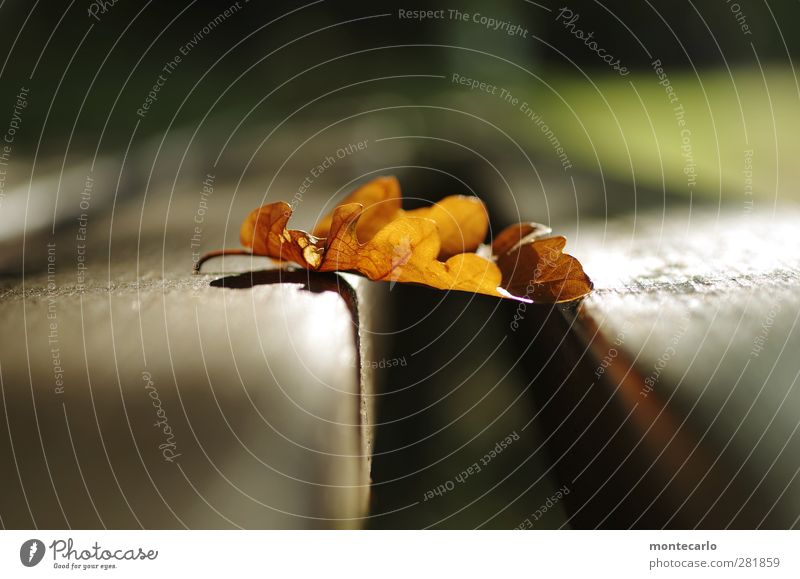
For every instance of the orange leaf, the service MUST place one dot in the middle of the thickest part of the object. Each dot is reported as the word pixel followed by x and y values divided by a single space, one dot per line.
pixel 381 201
pixel 462 221
pixel 369 233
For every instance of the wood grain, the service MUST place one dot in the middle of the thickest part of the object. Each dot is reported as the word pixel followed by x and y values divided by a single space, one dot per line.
pixel 684 373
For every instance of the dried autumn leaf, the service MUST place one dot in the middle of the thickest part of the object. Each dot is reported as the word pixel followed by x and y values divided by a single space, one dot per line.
pixel 462 221
pixel 371 234
pixel 536 267
pixel 381 201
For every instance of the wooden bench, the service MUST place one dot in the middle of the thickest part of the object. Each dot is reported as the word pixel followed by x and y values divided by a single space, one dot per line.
pixel 667 399
pixel 670 396
pixel 141 395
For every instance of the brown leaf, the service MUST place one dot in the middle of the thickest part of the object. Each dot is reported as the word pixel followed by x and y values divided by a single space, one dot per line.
pixel 539 270
pixel 264 232
pixel 371 234
pixel 514 235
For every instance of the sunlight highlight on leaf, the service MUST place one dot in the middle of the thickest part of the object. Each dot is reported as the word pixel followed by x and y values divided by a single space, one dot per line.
pixel 438 246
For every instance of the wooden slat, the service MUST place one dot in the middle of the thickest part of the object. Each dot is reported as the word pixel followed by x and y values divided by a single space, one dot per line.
pixel 677 396
pixel 259 382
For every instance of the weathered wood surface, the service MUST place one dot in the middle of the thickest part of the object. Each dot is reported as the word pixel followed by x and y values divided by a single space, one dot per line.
pixel 264 416
pixel 676 398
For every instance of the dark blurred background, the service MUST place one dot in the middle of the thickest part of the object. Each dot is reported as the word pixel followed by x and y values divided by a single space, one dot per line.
pixel 289 78
pixel 303 64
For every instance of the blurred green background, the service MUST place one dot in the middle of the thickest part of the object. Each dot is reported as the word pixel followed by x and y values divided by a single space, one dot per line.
pixel 740 90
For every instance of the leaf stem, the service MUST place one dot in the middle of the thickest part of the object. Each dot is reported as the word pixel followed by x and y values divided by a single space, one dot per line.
pixel 218 253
